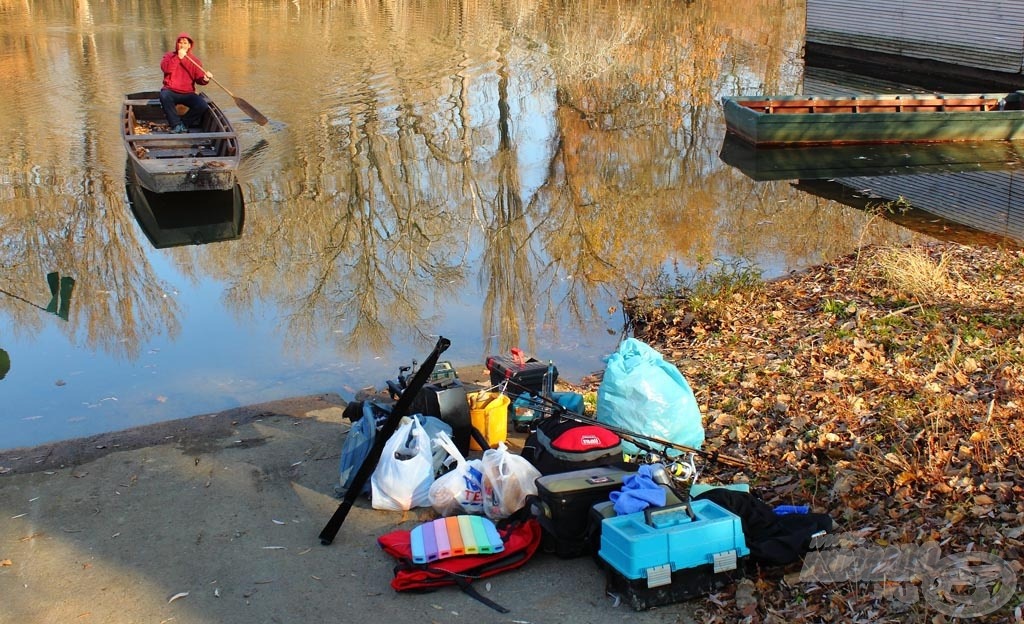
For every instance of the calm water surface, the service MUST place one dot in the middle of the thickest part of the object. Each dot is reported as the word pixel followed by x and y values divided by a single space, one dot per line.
pixel 498 174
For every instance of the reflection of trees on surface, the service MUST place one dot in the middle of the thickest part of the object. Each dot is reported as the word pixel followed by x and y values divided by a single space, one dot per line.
pixel 641 129
pixel 369 239
pixel 49 226
pixel 577 140
pixel 506 272
pixel 636 150
pixel 62 201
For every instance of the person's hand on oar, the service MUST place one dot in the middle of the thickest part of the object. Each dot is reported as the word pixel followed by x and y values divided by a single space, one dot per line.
pixel 184 45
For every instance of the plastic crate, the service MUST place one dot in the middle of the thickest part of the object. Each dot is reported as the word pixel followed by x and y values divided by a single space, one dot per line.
pixel 443 371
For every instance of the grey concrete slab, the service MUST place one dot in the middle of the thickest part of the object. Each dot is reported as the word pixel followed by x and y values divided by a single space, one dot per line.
pixel 224 511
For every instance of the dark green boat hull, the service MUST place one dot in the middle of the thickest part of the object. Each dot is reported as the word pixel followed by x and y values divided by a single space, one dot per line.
pixel 775 129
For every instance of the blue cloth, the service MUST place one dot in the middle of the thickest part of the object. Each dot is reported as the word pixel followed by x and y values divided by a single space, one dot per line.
pixel 639 491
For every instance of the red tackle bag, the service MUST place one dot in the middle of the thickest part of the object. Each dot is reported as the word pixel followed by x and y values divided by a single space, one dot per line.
pixel 521 538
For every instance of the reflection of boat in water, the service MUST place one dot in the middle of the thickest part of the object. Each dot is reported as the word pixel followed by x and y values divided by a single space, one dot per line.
pixel 980 207
pixel 888 159
pixel 188 217
pixel 897 118
pixel 203 159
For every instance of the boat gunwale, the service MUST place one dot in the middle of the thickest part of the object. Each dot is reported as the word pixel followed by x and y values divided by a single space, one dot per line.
pixel 748 118
pixel 902 103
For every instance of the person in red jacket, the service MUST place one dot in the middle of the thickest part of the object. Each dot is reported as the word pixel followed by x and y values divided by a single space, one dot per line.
pixel 182 72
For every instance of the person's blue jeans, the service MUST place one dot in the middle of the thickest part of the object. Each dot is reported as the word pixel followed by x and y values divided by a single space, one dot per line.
pixel 196 107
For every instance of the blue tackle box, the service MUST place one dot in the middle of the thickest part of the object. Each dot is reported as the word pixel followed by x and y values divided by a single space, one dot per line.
pixel 670 554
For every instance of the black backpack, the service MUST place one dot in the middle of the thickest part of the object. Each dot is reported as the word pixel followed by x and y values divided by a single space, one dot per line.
pixel 563 444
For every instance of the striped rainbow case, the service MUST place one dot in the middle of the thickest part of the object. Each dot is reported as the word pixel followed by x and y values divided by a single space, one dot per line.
pixel 454 536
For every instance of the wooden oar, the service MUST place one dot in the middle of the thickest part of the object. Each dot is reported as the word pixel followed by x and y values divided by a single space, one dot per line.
pixel 242 104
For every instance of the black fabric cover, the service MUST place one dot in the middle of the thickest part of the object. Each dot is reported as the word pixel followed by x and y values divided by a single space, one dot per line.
pixel 771 538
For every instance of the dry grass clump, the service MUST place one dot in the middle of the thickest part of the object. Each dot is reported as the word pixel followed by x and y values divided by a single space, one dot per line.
pixel 912 271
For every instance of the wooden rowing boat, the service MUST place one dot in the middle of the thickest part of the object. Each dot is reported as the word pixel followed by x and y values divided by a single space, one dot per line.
pixel 203 159
pixel 819 162
pixel 902 118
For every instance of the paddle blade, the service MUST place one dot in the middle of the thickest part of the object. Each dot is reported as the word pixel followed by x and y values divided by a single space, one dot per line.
pixel 251 111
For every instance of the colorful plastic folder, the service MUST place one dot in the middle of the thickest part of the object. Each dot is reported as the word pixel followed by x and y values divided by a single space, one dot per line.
pixel 454 536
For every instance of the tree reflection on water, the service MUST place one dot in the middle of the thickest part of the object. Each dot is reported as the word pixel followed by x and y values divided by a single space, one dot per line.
pixel 533 161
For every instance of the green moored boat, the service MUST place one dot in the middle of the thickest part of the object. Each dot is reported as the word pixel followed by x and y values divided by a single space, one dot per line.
pixel 777 121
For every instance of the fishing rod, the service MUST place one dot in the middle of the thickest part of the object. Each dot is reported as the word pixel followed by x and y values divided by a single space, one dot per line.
pixel 400 409
pixel 641 440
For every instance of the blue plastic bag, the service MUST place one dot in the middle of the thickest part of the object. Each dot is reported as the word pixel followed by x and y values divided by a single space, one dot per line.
pixel 572 401
pixel 356 447
pixel 528 407
pixel 643 394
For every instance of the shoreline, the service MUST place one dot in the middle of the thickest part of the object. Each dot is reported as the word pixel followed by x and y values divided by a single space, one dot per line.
pixel 897 414
pixel 193 434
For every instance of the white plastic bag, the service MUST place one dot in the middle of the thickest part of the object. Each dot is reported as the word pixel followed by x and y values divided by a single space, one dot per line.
pixel 460 490
pixel 508 480
pixel 405 471
pixel 433 426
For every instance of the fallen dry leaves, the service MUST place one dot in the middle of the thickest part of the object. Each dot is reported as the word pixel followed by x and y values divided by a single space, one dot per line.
pixel 898 413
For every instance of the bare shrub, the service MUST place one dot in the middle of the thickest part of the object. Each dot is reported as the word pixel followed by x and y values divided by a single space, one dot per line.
pixel 914 272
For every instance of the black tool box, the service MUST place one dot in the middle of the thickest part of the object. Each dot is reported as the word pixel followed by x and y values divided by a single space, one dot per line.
pixel 683 585
pixel 523 374
pixel 563 506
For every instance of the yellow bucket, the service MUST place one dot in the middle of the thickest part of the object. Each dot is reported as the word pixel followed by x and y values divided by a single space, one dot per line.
pixel 488 411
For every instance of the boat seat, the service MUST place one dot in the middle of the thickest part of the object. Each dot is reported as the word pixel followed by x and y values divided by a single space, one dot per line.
pixel 205 151
pixel 191 137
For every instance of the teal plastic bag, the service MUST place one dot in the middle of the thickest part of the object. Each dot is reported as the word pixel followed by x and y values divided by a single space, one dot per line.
pixel 643 394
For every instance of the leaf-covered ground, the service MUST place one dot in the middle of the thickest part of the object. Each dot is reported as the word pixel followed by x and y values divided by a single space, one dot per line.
pixel 885 389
